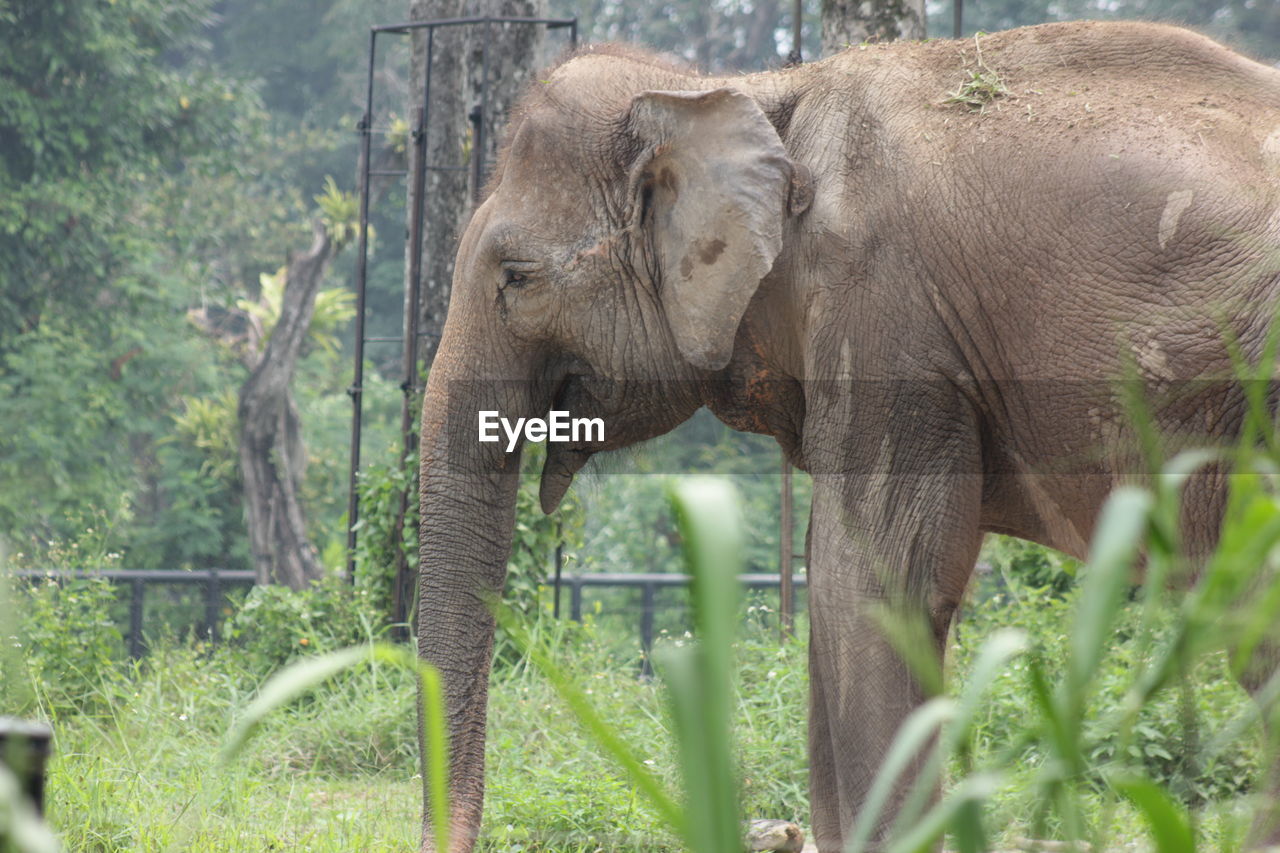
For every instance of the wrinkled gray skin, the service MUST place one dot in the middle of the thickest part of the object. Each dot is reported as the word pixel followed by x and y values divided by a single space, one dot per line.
pixel 924 304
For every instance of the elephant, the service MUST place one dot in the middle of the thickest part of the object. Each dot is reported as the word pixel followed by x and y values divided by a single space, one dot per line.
pixel 918 266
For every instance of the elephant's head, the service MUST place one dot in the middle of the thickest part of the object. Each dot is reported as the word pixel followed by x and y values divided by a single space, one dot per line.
pixel 630 221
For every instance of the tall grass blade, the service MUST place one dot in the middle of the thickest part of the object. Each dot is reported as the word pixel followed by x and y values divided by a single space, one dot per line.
pixel 1121 525
pixel 573 696
pixel 435 735
pixel 305 675
pixel 995 654
pixel 1169 826
pixel 700 678
pixel 910 742
pixel 968 794
pixel 285 686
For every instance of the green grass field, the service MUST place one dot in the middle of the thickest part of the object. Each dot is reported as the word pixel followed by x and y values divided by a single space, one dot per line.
pixel 137 763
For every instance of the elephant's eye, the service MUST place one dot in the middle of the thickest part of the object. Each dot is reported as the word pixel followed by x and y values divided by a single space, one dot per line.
pixel 517 274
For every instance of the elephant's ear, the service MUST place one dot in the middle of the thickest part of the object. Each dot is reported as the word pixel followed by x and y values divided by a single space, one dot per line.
pixel 712 185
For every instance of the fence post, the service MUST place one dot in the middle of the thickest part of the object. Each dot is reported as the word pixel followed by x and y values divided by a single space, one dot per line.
pixel 138 588
pixel 212 604
pixel 786 558
pixel 575 599
pixel 646 628
pixel 24 749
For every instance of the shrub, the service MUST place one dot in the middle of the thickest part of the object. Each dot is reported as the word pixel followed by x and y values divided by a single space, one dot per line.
pixel 276 624
pixel 74 650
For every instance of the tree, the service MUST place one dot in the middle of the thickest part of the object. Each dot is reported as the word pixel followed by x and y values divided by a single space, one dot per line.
pixel 102 136
pixel 273 458
pixel 456 72
pixel 496 59
pixel 144 189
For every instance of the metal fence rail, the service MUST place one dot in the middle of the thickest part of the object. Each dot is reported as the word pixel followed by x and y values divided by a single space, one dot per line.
pixel 214 581
pixel 649 583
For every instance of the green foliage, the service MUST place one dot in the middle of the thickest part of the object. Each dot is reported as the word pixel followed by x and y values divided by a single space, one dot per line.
pixel 628 526
pixel 209 425
pixel 340 212
pixel 114 119
pixel 1029 565
pixel 89 111
pixel 73 647
pixel 275 624
pixel 978 90
pixel 698 677
pixel 304 676
pixel 535 537
pixel 1172 736
pixel 382 491
pixel 333 309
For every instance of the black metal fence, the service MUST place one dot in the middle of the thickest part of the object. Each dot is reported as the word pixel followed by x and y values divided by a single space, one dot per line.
pixel 649 584
pixel 216 582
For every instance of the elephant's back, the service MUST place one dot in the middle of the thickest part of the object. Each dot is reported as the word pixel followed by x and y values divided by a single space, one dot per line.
pixel 1072 81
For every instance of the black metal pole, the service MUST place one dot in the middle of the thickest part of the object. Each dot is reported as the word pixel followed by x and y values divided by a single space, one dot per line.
pixel 212 604
pixel 646 629
pixel 362 263
pixel 137 598
pixel 24 749
pixel 413 300
pixel 478 137
pixel 559 557
pixel 957 13
pixel 786 558
pixel 797 25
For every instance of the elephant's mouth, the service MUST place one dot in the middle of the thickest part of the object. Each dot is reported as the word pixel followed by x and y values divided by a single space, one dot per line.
pixel 563 461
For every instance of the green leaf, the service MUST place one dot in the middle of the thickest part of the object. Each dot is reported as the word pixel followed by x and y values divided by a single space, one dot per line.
pixel 285 686
pixel 911 740
pixel 1116 541
pixel 700 677
pixel 590 719
pixel 1169 825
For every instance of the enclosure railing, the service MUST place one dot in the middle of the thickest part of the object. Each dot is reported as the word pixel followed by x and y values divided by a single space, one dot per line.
pixel 648 584
pixel 214 581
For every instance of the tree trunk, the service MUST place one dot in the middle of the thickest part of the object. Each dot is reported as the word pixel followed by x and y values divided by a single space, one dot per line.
pixel 272 457
pixel 456 69
pixel 846 22
pixel 463 58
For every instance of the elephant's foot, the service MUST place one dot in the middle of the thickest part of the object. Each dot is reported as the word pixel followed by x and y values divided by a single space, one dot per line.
pixel 774 836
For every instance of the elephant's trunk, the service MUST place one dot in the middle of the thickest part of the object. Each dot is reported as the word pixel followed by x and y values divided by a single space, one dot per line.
pixel 468 492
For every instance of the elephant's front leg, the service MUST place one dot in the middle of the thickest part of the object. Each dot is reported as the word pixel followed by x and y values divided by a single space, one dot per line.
pixel 895 536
